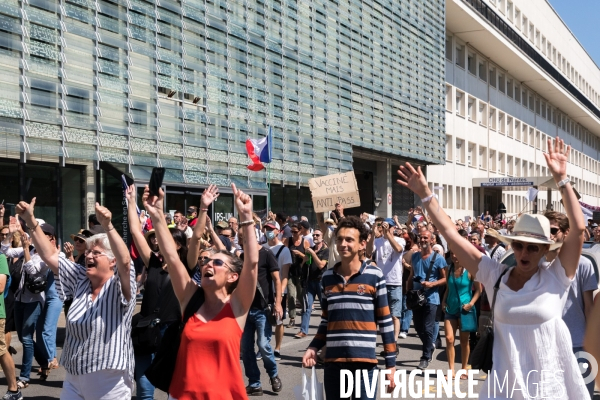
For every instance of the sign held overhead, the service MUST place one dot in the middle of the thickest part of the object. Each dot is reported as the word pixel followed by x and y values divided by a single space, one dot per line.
pixel 336 188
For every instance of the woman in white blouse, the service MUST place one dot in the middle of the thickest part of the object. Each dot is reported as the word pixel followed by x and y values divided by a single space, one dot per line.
pixel 532 344
pixel 97 353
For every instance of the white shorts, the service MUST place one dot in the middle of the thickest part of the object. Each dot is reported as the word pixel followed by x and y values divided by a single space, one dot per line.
pixel 107 384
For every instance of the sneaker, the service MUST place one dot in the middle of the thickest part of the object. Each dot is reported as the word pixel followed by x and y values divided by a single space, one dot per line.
pixel 402 335
pixel 13 395
pixel 291 323
pixel 276 384
pixel 277 355
pixel 423 365
pixel 258 355
pixel 254 391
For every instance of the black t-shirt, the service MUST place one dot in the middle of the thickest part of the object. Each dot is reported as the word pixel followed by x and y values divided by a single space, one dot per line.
pixel 267 263
pixel 158 282
pixel 315 273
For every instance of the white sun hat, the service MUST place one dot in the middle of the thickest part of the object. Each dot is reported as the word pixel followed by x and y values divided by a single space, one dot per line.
pixel 529 228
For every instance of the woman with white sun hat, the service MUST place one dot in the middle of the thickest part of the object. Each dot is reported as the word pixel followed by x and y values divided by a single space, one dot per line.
pixel 532 344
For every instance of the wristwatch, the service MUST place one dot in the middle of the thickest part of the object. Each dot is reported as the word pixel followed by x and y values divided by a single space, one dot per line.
pixel 562 183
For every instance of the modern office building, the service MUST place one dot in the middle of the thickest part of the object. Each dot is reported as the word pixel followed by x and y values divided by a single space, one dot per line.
pixel 515 75
pixel 91 90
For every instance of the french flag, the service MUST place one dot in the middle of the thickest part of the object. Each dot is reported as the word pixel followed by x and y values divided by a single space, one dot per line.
pixel 259 151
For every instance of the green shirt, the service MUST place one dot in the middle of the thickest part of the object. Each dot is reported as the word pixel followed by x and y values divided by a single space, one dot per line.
pixel 3 271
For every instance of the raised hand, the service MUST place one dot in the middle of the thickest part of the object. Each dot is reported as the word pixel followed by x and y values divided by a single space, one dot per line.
pixel 209 195
pixel 103 215
pixel 25 241
pixel 130 194
pixel 13 225
pixel 208 225
pixel 68 249
pixel 153 204
pixel 26 210
pixel 414 180
pixel 243 203
pixel 557 158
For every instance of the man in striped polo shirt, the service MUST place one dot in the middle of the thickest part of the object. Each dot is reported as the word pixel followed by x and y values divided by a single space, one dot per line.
pixel 354 306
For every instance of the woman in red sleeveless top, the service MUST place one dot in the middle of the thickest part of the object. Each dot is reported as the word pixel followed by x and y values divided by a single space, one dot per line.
pixel 208 361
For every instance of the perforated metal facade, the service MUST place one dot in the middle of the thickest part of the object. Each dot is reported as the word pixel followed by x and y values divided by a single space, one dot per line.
pixel 89 80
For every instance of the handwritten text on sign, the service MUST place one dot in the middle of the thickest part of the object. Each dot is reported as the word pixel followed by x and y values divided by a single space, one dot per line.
pixel 336 188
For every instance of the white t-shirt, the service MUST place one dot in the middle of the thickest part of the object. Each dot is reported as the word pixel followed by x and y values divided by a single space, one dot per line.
pixel 309 238
pixel 530 335
pixel 285 257
pixel 388 260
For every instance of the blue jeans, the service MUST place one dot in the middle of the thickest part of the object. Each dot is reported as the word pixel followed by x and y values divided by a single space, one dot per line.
pixel 313 288
pixel 26 316
pixel 143 388
pixel 331 379
pixel 406 316
pixel 590 385
pixel 424 319
pixel 257 323
pixel 48 321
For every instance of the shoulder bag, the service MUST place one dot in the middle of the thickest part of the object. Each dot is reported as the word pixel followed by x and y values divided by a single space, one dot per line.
pixel 416 298
pixel 481 356
pixel 160 372
pixel 468 319
pixel 146 330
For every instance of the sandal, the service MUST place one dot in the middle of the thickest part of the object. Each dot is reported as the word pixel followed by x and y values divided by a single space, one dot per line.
pixel 44 373
pixel 22 384
pixel 53 364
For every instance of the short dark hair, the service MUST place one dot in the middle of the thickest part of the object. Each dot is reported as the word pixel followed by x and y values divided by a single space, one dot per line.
pixel 353 221
pixel 559 218
pixel 281 216
pixel 463 233
pixel 92 218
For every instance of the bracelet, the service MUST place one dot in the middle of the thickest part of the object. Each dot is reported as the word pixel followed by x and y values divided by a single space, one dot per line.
pixel 33 229
pixel 204 209
pixel 109 229
pixel 562 183
pixel 428 198
pixel 249 222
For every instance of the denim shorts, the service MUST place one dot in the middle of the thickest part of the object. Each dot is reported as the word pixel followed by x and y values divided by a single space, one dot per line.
pixel 394 295
pixel 451 316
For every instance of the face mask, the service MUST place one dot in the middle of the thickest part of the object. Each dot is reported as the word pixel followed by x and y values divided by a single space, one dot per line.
pixel 270 235
pixel 331 228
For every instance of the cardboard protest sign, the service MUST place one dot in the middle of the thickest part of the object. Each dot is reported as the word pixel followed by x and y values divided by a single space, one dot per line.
pixel 336 188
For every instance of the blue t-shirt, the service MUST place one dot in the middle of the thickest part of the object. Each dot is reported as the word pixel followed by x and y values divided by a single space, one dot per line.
pixel 420 269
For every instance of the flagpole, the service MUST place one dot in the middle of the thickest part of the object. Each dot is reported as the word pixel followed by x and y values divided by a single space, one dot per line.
pixel 268 188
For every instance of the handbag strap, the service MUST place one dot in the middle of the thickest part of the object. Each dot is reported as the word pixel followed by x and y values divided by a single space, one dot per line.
pixel 496 286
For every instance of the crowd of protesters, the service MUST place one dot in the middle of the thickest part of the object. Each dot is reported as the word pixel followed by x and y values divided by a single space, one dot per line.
pixel 249 277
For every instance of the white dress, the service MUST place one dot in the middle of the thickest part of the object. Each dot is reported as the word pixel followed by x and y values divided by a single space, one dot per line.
pixel 533 356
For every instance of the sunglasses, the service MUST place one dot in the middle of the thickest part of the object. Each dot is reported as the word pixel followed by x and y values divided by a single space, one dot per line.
pixel 316 235
pixel 554 231
pixel 79 240
pixel 531 248
pixel 294 232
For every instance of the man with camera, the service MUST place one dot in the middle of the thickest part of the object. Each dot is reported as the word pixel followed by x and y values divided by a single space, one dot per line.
pixel 387 251
pixel 426 275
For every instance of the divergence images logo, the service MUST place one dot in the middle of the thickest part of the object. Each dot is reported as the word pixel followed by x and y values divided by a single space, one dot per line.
pixel 587 362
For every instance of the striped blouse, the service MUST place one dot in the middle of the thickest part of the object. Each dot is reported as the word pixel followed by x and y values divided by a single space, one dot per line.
pixel 353 312
pixel 98 333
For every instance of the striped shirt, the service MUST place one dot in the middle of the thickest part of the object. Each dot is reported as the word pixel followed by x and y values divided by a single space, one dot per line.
pixel 98 333
pixel 352 311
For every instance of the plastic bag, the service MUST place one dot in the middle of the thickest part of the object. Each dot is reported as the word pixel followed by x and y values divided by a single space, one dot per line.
pixel 311 389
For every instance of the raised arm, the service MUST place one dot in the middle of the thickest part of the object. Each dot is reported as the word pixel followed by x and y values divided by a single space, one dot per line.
pixel 183 286
pixel 242 297
pixel 210 194
pixel 119 249
pixel 47 251
pixel 415 180
pixel 556 158
pixel 135 227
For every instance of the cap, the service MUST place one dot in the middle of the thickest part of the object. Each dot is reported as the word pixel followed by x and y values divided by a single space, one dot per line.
pixel 47 229
pixel 294 218
pixel 594 225
pixel 93 231
pixel 222 224
pixel 272 224
pixel 330 221
pixel 304 224
pixel 390 221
